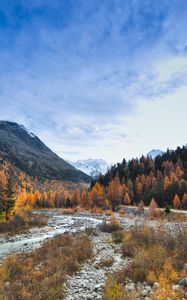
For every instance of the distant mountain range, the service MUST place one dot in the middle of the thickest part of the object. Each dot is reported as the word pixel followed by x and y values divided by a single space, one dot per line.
pixel 153 153
pixel 92 167
pixel 95 167
pixel 27 152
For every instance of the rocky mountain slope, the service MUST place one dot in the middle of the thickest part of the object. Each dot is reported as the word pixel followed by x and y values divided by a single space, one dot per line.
pixel 27 152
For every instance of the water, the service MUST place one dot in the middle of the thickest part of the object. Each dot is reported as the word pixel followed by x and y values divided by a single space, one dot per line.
pixel 57 224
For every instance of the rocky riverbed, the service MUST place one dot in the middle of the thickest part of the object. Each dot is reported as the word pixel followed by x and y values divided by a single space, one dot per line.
pixel 59 224
pixel 89 282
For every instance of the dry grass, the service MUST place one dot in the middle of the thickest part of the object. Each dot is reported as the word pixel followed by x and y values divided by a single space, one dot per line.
pixel 150 249
pixel 115 291
pixel 21 222
pixel 156 256
pixel 40 274
pixel 69 211
pixel 107 262
pixel 111 226
pixel 117 236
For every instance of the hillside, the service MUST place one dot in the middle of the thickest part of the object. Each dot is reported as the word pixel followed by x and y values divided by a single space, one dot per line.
pixel 27 152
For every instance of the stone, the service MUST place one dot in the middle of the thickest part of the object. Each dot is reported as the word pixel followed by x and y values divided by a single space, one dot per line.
pixel 145 292
pixel 148 288
pixel 183 282
pixel 175 287
pixel 7 285
pixel 156 285
pixel 130 287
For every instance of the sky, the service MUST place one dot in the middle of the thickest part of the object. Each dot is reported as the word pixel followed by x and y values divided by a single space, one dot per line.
pixel 96 78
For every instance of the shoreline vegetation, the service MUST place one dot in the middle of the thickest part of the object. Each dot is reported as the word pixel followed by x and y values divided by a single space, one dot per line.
pixel 158 260
pixel 140 182
pixel 156 263
pixel 24 220
pixel 41 273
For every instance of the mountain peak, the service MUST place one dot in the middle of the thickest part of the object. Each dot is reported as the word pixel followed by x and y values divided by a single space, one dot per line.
pixel 155 152
pixel 25 150
pixel 92 167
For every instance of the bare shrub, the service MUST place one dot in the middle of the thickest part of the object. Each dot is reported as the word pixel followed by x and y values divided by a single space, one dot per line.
pixel 107 262
pixel 40 274
pixel 117 236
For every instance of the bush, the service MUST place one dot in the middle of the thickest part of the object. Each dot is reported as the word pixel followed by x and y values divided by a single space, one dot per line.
pixel 107 262
pixel 110 227
pixel 150 250
pixel 146 259
pixel 115 291
pixel 21 222
pixel 40 274
pixel 129 248
pixel 117 236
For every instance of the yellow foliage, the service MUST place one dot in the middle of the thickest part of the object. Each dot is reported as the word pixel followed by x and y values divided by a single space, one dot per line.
pixel 113 290
pixel 166 279
pixel 151 277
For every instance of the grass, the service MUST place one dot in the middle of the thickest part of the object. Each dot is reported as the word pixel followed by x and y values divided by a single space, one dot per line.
pixel 111 226
pixel 41 274
pixel 157 256
pixel 105 263
pixel 21 222
pixel 115 291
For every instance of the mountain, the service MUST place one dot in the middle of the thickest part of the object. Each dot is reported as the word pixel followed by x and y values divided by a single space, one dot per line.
pixel 153 153
pixel 92 167
pixel 27 152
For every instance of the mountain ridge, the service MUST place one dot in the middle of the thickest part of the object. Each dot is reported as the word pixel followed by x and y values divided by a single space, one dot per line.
pixel 31 155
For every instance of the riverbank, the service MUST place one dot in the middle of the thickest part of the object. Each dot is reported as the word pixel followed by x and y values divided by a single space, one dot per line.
pixel 58 223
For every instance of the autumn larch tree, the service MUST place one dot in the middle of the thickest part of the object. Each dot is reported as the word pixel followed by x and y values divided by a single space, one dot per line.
pixel 176 202
pixel 152 209
pixel 127 200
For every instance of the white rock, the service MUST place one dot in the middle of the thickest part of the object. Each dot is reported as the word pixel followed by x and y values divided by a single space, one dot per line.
pixel 156 285
pixel 145 292
pixel 175 287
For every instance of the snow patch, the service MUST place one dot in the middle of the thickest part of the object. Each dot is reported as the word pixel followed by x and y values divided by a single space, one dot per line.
pixel 27 131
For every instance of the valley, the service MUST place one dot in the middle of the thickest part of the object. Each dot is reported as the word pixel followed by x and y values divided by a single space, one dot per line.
pixel 93 150
pixel 90 280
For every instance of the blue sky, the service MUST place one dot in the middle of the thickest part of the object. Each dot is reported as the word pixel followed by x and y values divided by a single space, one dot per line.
pixel 96 78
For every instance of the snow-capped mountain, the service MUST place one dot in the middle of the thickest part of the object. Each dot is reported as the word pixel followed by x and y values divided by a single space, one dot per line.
pixel 153 153
pixel 92 167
